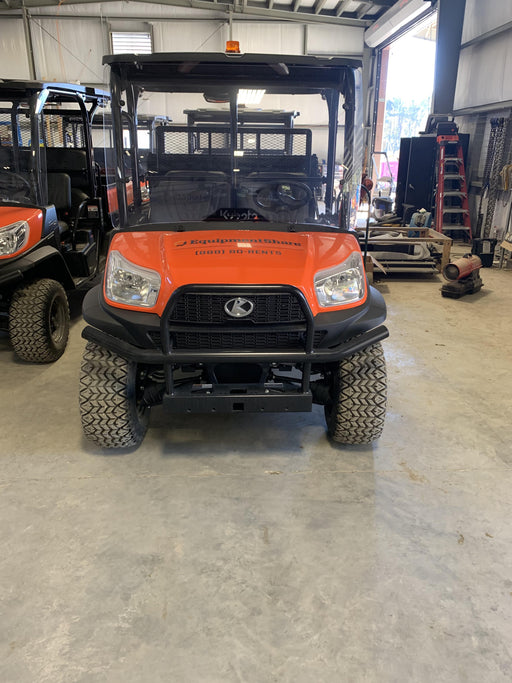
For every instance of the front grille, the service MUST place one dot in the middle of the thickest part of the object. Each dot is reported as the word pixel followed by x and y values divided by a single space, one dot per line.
pixel 198 320
pixel 198 308
pixel 231 340
pixel 235 340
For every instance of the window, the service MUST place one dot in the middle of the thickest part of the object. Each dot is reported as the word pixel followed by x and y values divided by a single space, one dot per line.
pixel 127 42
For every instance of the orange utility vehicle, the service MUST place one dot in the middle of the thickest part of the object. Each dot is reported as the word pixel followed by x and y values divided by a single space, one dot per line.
pixel 52 210
pixel 240 288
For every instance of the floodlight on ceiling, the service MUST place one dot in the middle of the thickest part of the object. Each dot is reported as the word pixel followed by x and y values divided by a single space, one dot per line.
pixel 250 96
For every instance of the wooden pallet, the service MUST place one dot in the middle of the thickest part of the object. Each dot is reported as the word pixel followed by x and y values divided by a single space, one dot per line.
pixel 428 235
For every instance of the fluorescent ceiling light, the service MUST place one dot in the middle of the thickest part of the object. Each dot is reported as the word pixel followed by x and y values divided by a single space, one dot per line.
pixel 250 96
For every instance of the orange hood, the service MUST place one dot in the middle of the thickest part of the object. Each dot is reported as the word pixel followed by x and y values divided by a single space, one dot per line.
pixel 246 257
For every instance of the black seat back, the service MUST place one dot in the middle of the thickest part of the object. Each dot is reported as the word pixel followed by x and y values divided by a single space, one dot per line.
pixel 6 159
pixel 70 161
pixel 59 191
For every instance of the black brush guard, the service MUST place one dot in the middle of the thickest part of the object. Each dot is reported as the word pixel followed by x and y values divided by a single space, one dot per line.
pixel 280 396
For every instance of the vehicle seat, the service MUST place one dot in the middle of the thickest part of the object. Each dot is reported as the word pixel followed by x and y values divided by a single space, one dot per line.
pixel 6 159
pixel 59 194
pixel 73 162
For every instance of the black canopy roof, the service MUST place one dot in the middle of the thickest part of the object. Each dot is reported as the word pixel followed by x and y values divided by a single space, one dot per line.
pixel 14 89
pixel 276 73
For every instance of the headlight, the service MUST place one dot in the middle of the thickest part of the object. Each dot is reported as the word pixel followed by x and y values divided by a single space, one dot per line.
pixel 13 237
pixel 341 284
pixel 129 284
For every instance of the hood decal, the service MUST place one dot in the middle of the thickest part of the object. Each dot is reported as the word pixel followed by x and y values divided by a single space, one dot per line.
pixel 267 241
pixel 236 257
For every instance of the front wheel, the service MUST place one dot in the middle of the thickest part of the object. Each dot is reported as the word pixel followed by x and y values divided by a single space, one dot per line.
pixel 39 321
pixel 357 408
pixel 111 407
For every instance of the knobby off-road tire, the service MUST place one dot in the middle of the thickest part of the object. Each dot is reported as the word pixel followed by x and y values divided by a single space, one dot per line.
pixel 39 321
pixel 110 405
pixel 357 410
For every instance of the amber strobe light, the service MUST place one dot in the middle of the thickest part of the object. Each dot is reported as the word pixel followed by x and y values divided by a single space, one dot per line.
pixel 233 46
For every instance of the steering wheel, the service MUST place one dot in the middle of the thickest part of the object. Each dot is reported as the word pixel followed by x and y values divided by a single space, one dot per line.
pixel 8 182
pixel 294 195
pixel 266 197
pixel 289 195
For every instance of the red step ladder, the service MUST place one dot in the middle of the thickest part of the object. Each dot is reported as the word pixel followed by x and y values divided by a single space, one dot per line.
pixel 452 208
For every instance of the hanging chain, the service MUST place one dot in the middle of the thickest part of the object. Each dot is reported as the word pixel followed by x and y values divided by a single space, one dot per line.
pixel 502 132
pixel 491 146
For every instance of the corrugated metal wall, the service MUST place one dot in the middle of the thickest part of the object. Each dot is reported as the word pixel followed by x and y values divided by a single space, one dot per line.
pixel 12 49
pixel 483 93
pixel 69 41
pixel 485 64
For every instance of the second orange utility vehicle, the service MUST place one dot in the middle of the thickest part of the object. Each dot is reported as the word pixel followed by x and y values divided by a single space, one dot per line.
pixel 53 210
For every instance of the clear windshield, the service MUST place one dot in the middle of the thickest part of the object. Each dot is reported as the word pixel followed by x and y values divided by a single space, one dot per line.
pixel 252 155
pixel 16 160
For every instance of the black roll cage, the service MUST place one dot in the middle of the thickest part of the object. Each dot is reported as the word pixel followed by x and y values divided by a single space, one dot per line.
pixel 166 72
pixel 35 94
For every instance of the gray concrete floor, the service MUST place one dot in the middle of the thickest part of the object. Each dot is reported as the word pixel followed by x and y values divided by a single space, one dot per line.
pixel 247 548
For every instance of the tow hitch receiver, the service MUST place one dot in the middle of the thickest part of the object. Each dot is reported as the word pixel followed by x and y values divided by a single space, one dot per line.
pixel 226 398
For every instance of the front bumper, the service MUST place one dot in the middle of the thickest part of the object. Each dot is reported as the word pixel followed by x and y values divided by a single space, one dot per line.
pixel 178 356
pixel 130 333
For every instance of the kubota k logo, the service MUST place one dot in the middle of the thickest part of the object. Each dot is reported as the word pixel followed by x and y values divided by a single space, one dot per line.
pixel 239 307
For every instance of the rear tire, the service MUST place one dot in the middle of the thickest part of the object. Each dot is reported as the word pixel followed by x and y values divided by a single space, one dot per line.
pixel 39 321
pixel 111 408
pixel 356 412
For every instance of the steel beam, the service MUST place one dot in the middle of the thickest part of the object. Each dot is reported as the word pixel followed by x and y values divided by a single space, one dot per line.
pixel 340 7
pixel 250 10
pixel 303 15
pixel 483 109
pixel 30 46
pixel 449 33
pixel 489 34
pixel 363 8
pixel 319 6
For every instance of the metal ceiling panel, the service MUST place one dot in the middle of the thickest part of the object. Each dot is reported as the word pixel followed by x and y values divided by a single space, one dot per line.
pixel 345 12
